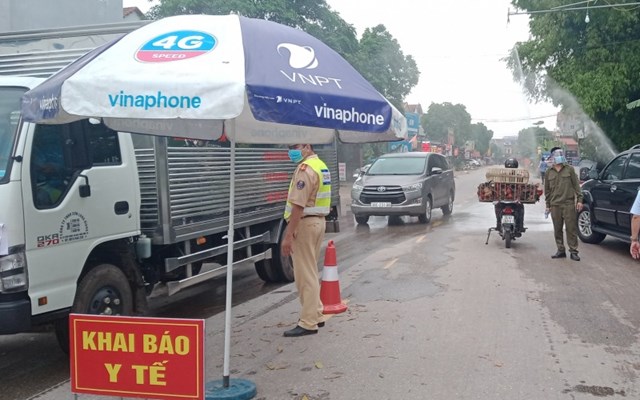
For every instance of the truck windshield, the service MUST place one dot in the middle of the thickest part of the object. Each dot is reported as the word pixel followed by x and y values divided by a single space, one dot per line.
pixel 397 166
pixel 9 116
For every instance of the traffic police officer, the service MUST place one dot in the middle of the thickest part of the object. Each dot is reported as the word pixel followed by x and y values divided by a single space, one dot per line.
pixel 308 203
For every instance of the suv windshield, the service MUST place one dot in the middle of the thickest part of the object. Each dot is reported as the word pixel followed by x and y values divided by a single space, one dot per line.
pixel 397 166
pixel 9 115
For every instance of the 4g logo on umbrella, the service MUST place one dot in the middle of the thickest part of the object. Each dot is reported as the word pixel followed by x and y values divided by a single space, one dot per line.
pixel 175 46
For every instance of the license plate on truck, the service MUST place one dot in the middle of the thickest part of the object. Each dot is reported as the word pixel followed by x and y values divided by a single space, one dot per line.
pixel 380 204
pixel 508 219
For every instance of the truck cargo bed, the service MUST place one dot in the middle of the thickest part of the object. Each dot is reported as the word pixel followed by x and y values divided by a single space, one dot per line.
pixel 185 189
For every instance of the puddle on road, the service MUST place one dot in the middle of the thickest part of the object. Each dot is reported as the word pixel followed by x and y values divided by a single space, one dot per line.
pixel 599 391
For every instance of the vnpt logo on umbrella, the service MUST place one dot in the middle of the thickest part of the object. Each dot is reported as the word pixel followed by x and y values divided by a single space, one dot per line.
pixel 176 46
pixel 300 57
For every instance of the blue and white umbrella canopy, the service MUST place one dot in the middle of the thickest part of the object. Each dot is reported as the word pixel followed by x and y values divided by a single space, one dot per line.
pixel 191 75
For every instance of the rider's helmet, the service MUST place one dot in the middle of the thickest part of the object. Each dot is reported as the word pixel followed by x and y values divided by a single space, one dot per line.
pixel 511 163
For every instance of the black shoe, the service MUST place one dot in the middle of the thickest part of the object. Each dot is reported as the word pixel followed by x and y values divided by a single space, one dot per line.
pixel 320 324
pixel 299 331
pixel 560 254
pixel 575 257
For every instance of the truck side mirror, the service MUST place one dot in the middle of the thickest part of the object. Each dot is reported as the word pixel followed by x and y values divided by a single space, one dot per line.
pixel 85 189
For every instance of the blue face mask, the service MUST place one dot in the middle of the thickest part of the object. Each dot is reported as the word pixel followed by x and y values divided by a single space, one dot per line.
pixel 295 155
pixel 559 159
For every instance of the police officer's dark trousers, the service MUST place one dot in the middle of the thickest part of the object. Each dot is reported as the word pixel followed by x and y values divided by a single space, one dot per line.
pixel 564 215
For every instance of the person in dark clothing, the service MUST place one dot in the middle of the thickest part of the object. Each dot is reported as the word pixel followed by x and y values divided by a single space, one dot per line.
pixel 542 168
pixel 563 198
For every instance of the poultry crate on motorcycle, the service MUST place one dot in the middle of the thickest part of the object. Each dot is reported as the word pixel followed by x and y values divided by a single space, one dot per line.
pixel 508 184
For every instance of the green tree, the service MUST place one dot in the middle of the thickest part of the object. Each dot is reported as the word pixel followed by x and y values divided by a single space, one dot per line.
pixel 381 61
pixel 527 144
pixel 440 118
pixel 482 136
pixel 533 138
pixel 497 153
pixel 597 63
pixel 312 16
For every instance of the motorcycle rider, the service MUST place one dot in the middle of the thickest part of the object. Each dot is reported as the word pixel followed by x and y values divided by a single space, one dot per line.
pixel 518 207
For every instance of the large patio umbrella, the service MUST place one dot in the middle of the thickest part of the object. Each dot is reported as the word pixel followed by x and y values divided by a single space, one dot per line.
pixel 202 76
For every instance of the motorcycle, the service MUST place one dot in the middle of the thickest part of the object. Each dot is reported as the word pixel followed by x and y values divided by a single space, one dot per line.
pixel 509 229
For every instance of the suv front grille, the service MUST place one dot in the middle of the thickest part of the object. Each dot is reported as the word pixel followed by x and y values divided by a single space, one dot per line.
pixel 390 194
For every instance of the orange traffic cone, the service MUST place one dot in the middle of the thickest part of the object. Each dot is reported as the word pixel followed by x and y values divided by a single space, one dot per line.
pixel 330 286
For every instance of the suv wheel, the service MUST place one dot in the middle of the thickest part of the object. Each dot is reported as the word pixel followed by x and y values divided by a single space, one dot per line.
pixel 585 232
pixel 426 217
pixel 362 219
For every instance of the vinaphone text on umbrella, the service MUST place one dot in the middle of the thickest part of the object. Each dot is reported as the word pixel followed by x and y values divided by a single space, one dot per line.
pixel 159 100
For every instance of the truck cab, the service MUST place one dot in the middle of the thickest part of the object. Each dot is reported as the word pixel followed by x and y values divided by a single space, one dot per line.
pixel 52 216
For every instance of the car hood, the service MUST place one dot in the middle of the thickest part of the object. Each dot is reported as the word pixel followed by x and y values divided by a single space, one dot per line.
pixel 389 180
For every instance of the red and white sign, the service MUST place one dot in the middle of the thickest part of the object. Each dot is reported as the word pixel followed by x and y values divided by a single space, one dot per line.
pixel 160 358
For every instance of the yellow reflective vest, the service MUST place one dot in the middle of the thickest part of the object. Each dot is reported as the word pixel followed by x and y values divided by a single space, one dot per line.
pixel 323 198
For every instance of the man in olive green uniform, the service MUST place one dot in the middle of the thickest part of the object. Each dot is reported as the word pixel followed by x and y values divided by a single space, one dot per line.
pixel 563 198
pixel 308 203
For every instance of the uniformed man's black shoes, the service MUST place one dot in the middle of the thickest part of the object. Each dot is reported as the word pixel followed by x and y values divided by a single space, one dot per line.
pixel 299 331
pixel 320 324
pixel 560 254
pixel 575 256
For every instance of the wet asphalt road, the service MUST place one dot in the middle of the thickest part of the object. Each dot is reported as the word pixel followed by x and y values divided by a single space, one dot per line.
pixel 572 317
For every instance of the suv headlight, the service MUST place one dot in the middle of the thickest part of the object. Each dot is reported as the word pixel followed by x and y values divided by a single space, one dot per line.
pixel 13 272
pixel 412 188
pixel 358 187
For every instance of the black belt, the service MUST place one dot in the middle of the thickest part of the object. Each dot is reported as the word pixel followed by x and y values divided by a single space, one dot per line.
pixel 317 216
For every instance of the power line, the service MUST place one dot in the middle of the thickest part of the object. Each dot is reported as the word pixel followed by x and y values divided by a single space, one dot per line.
pixel 519 119
pixel 587 7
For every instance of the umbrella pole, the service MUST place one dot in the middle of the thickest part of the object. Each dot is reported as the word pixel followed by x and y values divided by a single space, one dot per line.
pixel 238 389
pixel 230 234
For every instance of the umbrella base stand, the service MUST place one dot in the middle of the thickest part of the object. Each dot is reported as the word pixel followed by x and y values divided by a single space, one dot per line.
pixel 237 389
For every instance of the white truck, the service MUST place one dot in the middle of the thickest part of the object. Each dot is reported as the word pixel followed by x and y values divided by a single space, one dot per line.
pixel 95 221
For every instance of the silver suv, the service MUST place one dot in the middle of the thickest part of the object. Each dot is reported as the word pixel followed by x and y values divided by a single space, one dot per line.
pixel 404 184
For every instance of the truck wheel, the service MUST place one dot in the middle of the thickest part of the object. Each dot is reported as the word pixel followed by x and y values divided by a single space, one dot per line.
pixel 362 219
pixel 448 209
pixel 104 290
pixel 266 269
pixel 585 231
pixel 426 217
pixel 278 268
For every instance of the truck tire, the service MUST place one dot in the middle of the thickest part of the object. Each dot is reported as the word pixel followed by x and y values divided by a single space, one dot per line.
pixel 362 219
pixel 266 270
pixel 104 290
pixel 585 230
pixel 278 268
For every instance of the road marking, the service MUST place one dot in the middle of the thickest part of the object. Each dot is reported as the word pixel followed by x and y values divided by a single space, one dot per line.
pixel 390 263
pixel 435 224
pixel 421 238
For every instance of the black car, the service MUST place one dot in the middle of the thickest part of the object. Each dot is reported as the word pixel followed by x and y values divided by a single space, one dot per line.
pixel 608 197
